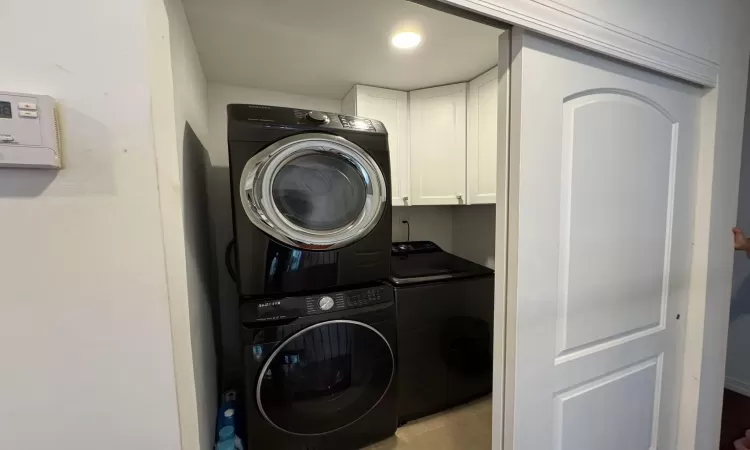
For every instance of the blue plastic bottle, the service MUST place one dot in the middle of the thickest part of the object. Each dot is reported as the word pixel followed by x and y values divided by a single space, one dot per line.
pixel 226 438
pixel 226 445
pixel 226 434
pixel 228 418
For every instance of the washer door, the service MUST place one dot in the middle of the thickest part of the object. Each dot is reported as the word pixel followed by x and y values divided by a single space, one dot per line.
pixel 325 377
pixel 313 191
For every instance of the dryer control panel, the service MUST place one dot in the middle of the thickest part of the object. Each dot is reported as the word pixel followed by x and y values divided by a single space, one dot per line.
pixel 294 307
pixel 263 115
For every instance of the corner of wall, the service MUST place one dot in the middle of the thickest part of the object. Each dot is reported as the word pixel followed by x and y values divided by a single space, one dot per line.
pixel 474 233
pixel 179 115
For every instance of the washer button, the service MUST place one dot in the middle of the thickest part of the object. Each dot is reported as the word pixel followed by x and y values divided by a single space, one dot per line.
pixel 325 303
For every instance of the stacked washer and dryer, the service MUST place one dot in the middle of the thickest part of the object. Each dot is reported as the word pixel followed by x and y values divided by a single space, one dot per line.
pixel 312 227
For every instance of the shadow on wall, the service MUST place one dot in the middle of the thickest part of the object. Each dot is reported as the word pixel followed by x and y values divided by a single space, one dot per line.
pixel 202 292
pixel 88 163
pixel 197 219
pixel 221 213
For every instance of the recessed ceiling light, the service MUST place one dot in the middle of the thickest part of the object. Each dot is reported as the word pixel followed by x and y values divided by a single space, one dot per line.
pixel 406 39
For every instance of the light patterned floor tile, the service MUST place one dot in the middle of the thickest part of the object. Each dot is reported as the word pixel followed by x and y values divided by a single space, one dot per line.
pixel 466 427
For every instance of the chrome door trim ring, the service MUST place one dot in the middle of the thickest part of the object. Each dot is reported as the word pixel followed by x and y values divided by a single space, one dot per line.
pixel 299 333
pixel 256 183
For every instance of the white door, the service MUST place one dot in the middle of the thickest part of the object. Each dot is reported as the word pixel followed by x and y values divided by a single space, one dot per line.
pixel 482 135
pixel 437 129
pixel 391 108
pixel 601 168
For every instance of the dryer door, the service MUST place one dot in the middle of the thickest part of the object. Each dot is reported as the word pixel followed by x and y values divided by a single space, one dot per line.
pixel 313 191
pixel 325 377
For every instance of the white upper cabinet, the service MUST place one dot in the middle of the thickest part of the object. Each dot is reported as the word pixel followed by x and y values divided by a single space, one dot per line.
pixel 482 138
pixel 437 130
pixel 391 108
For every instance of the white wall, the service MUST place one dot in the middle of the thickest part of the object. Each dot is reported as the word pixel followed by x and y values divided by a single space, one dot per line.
pixel 466 231
pixel 219 96
pixel 649 19
pixel 427 223
pixel 738 348
pixel 658 35
pixel 474 233
pixel 84 316
pixel 192 326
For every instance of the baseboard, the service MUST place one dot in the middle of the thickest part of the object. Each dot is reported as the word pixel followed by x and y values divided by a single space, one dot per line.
pixel 737 386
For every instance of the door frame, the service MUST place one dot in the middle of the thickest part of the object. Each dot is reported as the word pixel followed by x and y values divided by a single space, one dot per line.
pixel 721 123
pixel 559 20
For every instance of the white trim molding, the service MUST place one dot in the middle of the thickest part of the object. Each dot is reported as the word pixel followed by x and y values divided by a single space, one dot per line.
pixel 737 386
pixel 567 24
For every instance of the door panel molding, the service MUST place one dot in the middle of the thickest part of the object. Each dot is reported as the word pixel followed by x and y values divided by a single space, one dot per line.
pixel 570 25
pixel 570 106
pixel 601 163
pixel 611 380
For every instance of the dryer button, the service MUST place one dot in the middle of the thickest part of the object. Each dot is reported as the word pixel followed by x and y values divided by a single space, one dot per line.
pixel 317 117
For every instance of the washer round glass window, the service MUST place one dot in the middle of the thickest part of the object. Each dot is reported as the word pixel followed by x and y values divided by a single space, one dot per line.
pixel 325 377
pixel 314 191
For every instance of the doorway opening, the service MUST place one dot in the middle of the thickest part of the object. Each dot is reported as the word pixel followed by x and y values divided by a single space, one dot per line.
pixel 431 75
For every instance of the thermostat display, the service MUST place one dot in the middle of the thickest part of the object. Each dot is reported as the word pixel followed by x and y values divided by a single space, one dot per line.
pixel 5 111
pixel 29 135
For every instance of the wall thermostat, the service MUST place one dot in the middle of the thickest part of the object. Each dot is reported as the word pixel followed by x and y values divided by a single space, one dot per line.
pixel 29 134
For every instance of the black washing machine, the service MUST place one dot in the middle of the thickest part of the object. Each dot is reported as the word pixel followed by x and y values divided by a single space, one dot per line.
pixel 310 199
pixel 320 370
pixel 445 328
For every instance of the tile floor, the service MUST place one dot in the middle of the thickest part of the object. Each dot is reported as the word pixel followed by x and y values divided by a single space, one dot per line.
pixel 464 427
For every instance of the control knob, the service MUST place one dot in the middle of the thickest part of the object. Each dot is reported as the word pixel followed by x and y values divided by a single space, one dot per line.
pixel 325 303
pixel 317 117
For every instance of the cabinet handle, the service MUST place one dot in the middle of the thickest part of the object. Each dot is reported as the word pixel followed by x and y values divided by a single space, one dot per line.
pixel 406 200
pixel 459 197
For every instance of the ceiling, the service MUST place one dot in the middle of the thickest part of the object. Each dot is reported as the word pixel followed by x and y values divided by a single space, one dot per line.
pixel 322 47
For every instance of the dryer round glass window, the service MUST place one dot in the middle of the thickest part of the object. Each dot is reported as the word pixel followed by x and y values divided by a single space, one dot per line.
pixel 313 191
pixel 319 192
pixel 325 377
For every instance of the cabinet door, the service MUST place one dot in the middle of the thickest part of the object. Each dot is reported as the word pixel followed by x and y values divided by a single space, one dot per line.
pixel 437 130
pixel 482 136
pixel 390 107
pixel 602 166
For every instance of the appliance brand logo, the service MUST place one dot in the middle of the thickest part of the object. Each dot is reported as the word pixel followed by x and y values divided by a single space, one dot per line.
pixel 258 107
pixel 268 304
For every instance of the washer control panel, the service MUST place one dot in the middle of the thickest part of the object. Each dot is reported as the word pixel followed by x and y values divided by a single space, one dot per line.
pixel 293 307
pixel 367 297
pixel 316 304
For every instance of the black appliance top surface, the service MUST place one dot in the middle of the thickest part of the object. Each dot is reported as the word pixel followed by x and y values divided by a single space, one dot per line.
pixel 424 261
pixel 263 116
